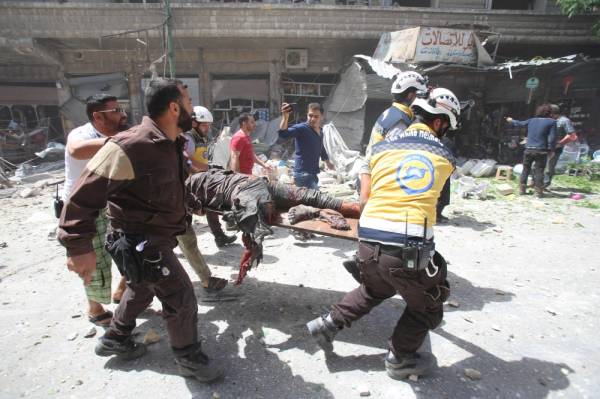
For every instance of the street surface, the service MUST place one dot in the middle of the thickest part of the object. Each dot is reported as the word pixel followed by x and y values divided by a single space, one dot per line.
pixel 523 312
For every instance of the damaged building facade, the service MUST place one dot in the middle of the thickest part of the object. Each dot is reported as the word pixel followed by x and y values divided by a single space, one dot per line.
pixel 251 56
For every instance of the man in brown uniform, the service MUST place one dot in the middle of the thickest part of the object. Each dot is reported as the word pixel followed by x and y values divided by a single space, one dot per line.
pixel 140 173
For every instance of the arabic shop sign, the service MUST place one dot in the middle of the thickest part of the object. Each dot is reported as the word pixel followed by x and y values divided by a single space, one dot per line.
pixel 426 44
pixel 446 45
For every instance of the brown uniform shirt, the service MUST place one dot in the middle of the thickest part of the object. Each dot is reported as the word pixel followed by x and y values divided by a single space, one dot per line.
pixel 140 174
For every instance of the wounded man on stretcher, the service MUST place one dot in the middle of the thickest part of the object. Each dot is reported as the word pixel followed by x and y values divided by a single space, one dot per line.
pixel 254 204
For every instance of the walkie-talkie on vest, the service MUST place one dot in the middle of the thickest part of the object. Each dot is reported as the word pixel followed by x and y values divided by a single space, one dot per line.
pixel 410 254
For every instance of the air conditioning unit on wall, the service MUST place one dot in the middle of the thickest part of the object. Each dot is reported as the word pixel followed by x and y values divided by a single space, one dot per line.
pixel 296 58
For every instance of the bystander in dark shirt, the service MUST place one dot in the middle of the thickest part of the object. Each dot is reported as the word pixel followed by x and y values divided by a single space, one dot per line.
pixel 541 133
pixel 309 147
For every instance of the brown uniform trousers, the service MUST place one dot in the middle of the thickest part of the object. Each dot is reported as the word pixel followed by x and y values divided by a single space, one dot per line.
pixel 180 307
pixel 383 277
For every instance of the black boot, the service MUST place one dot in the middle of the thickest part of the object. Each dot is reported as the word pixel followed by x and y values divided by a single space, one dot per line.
pixel 198 365
pixel 351 266
pixel 223 240
pixel 126 349
pixel 408 364
pixel 323 329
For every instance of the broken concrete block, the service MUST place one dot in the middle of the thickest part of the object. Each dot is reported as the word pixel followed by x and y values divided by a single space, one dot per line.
pixel 473 374
pixel 453 304
pixel 505 189
pixel 29 192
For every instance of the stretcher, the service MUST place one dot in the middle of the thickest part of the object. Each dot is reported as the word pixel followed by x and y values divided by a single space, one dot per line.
pixel 320 227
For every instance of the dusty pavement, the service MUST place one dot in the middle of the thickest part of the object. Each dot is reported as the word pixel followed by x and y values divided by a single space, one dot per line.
pixel 523 312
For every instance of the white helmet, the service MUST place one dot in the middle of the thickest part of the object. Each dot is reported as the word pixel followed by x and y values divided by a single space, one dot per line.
pixel 202 114
pixel 406 80
pixel 441 101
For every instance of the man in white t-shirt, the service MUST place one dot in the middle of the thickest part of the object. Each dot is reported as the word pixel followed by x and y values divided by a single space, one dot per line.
pixel 107 118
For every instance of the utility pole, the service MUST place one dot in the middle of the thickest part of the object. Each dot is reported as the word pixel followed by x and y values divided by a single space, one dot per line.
pixel 168 28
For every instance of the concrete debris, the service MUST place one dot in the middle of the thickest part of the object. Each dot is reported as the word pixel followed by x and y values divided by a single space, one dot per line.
pixel 72 336
pixel 91 332
pixel 29 192
pixel 151 337
pixel 505 189
pixel 413 378
pixel 473 374
pixel 453 304
pixel 364 390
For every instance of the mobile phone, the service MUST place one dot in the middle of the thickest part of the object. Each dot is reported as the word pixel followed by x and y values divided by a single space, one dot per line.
pixel 292 106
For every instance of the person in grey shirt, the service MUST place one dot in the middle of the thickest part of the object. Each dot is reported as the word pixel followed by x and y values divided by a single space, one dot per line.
pixel 565 133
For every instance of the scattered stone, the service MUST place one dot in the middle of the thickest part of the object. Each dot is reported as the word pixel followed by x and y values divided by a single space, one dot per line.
pixel 45 336
pixel 465 318
pixel 453 304
pixel 505 189
pixel 364 390
pixel 3 245
pixel 216 395
pixel 496 327
pixel 28 192
pixel 151 337
pixel 552 312
pixel 497 230
pixel 498 292
pixel 72 336
pixel 75 316
pixel 78 382
pixel 542 381
pixel 414 377
pixel 90 333
pixel 564 371
pixel 473 374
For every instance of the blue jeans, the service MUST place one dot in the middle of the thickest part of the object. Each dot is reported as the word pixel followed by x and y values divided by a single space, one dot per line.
pixel 307 180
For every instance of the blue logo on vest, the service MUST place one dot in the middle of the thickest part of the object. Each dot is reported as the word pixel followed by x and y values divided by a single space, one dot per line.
pixel 415 174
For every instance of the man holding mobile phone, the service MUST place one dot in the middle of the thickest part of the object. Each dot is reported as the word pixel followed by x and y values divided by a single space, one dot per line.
pixel 308 141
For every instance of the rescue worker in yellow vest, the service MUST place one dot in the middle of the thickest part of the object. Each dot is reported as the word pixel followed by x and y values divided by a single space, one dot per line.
pixel 392 122
pixel 197 151
pixel 396 253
